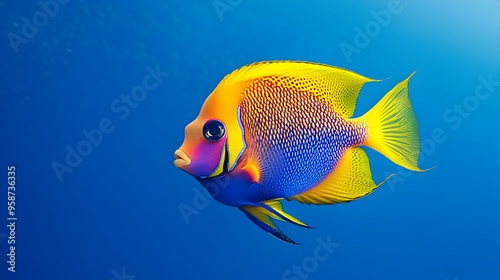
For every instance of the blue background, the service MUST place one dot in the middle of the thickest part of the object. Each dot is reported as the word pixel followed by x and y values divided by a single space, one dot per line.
pixel 116 215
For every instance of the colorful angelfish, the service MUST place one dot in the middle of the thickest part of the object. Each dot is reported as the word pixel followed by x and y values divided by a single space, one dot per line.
pixel 283 130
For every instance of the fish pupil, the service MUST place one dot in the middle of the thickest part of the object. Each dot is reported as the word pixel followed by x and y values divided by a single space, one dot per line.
pixel 214 130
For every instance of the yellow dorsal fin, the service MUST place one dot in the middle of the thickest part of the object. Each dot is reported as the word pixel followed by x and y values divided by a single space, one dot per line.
pixel 336 86
pixel 350 180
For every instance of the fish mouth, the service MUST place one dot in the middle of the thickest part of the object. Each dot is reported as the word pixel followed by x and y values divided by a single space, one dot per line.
pixel 181 159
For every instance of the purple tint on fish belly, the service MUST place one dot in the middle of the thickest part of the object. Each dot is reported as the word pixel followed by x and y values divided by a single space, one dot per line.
pixel 297 138
pixel 232 189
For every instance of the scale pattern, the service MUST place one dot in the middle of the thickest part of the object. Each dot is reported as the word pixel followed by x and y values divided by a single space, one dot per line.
pixel 295 136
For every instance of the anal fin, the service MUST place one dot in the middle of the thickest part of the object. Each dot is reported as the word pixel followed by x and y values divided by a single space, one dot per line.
pixel 350 180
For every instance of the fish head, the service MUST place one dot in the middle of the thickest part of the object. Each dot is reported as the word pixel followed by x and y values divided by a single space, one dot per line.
pixel 213 142
pixel 202 152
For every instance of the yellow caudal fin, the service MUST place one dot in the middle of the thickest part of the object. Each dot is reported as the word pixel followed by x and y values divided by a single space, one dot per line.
pixel 350 180
pixel 393 128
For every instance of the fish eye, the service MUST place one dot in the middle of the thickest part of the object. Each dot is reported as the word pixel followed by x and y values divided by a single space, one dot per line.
pixel 214 130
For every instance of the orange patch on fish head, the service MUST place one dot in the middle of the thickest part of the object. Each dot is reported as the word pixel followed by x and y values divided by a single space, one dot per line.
pixel 214 141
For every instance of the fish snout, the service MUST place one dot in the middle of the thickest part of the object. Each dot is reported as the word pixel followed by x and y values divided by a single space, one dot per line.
pixel 181 159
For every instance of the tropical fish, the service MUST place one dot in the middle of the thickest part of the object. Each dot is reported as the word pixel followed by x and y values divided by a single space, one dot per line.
pixel 284 130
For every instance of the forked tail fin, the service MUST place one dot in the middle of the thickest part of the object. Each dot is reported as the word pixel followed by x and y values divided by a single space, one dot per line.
pixel 393 128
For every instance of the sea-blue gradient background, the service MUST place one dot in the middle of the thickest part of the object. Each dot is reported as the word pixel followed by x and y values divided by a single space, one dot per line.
pixel 116 215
